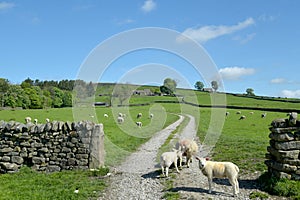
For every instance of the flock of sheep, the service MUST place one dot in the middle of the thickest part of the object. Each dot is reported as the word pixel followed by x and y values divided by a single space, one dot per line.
pixel 121 118
pixel 211 169
pixel 263 115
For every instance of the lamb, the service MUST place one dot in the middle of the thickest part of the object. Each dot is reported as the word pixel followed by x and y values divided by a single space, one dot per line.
pixel 139 115
pixel 27 120
pixel 120 120
pixel 35 121
pixel 151 115
pixel 105 115
pixel 242 117
pixel 213 169
pixel 263 115
pixel 238 112
pixel 120 114
pixel 139 124
pixel 47 120
pixel 188 148
pixel 166 160
pixel 227 113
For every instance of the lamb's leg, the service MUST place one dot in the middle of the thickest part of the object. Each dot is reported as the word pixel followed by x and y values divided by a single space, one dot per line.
pixel 162 170
pixel 235 185
pixel 175 164
pixel 167 171
pixel 209 184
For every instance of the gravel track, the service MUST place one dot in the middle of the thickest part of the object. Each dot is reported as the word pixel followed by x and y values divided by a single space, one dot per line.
pixel 136 178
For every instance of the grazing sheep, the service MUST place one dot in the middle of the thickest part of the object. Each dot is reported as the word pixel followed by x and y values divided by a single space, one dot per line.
pixel 263 115
pixel 139 115
pixel 188 149
pixel 27 120
pixel 227 113
pixel 166 160
pixel 47 120
pixel 105 115
pixel 151 115
pixel 120 114
pixel 35 121
pixel 139 124
pixel 213 169
pixel 242 117
pixel 238 112
pixel 120 120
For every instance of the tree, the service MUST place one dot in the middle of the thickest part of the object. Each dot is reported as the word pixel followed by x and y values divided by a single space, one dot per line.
pixel 170 84
pixel 165 90
pixel 122 92
pixel 250 92
pixel 214 85
pixel 199 85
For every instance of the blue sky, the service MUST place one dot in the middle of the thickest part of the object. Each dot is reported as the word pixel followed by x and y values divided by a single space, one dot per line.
pixel 254 44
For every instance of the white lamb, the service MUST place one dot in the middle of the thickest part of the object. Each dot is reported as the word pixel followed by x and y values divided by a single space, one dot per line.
pixel 139 124
pixel 213 169
pixel 166 160
pixel 120 120
pixel 105 115
pixel 188 148
pixel 27 120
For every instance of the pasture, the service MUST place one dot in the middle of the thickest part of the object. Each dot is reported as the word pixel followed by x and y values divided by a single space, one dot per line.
pixel 243 142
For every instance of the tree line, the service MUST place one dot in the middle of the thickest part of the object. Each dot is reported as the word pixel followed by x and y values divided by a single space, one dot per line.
pixel 36 94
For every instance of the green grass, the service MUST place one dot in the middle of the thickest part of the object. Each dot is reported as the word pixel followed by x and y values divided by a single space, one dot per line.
pixel 31 185
pixel 243 142
pixel 280 187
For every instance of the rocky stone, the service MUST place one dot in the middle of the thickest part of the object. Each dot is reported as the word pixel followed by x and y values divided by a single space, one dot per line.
pixel 282 137
pixel 17 159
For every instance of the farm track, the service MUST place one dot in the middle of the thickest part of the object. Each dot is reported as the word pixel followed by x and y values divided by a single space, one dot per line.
pixel 137 178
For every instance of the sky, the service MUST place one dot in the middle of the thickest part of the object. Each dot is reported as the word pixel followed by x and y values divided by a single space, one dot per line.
pixel 252 43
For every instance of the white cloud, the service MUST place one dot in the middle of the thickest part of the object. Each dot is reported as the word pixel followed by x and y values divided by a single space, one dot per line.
pixel 278 80
pixel 266 18
pixel 125 21
pixel 148 6
pixel 5 5
pixel 290 93
pixel 234 73
pixel 205 33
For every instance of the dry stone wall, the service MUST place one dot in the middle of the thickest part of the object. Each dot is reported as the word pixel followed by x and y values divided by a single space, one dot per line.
pixel 50 147
pixel 283 157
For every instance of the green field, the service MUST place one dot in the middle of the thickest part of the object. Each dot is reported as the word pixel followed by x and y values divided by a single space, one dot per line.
pixel 241 141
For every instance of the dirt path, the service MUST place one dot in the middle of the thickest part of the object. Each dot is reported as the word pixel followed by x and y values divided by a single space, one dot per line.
pixel 136 178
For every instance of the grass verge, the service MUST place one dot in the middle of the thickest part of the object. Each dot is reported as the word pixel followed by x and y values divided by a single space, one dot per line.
pixel 28 184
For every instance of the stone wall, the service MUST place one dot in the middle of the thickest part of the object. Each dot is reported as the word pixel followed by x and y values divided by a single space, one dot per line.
pixel 283 158
pixel 50 147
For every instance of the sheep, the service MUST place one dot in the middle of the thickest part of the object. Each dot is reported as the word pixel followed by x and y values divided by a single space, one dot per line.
pixel 47 120
pixel 120 120
pixel 188 148
pixel 242 117
pixel 139 124
pixel 227 113
pixel 213 169
pixel 105 115
pixel 35 121
pixel 251 113
pixel 139 115
pixel 238 112
pixel 166 160
pixel 27 120
pixel 151 115
pixel 120 114
pixel 263 115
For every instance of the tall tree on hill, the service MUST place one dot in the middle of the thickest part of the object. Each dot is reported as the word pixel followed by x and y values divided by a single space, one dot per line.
pixel 250 92
pixel 170 84
pixel 214 85
pixel 199 85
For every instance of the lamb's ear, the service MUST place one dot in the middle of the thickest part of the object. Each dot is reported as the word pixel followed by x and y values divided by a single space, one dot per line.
pixel 207 158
